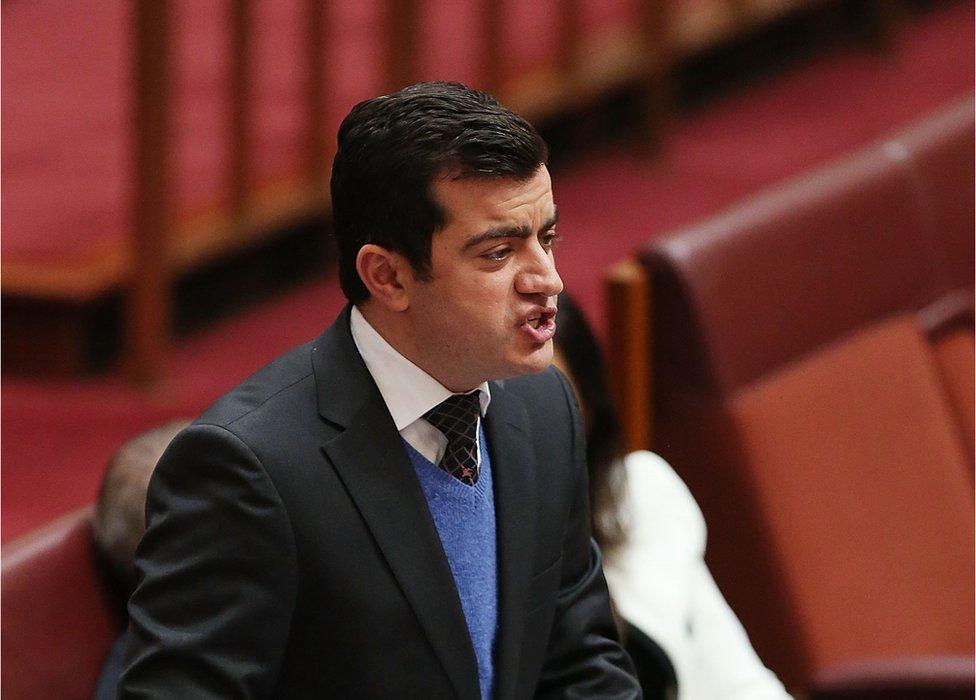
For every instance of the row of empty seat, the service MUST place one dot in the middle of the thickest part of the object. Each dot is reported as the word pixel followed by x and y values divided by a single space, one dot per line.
pixel 811 378
pixel 149 139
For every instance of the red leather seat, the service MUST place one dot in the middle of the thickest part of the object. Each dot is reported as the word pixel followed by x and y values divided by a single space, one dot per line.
pixel 800 373
pixel 938 155
pixel 59 618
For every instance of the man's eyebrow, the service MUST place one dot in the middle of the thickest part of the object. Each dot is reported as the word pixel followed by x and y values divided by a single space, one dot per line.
pixel 508 232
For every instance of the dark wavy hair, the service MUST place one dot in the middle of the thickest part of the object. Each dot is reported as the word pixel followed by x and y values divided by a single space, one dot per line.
pixel 575 342
pixel 391 150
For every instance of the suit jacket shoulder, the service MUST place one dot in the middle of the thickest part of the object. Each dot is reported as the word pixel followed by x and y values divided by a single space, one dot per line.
pixel 284 381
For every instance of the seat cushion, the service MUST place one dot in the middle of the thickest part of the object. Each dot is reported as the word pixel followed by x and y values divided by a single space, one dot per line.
pixel 955 357
pixel 853 460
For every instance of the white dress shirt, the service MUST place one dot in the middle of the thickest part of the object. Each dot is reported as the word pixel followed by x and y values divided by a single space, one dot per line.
pixel 408 391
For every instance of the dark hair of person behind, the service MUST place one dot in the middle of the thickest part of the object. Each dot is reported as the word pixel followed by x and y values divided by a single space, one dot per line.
pixel 392 148
pixel 604 452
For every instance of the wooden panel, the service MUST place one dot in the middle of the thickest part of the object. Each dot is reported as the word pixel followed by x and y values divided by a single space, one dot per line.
pixel 147 327
pixel 42 337
pixel 401 21
pixel 570 35
pixel 101 269
pixel 241 109
pixel 318 158
pixel 628 306
pixel 491 43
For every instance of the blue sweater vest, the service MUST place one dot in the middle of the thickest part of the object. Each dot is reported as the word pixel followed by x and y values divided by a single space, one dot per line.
pixel 465 520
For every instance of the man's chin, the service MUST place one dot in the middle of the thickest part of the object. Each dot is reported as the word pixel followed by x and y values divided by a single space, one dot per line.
pixel 535 361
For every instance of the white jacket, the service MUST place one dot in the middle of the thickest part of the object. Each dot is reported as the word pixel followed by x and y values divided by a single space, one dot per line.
pixel 660 583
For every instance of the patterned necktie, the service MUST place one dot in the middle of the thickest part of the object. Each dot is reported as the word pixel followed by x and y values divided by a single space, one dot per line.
pixel 457 418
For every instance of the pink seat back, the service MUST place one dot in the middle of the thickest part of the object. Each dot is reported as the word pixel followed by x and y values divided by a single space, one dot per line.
pixel 59 619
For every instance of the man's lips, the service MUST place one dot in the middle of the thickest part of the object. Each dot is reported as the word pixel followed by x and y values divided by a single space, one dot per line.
pixel 540 316
pixel 541 324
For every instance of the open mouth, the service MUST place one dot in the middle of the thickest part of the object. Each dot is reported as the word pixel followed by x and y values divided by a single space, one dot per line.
pixel 541 318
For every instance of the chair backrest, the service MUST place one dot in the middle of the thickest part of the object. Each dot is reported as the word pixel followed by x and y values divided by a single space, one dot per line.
pixel 786 272
pixel 885 230
pixel 812 353
pixel 59 618
pixel 938 154
pixel 852 457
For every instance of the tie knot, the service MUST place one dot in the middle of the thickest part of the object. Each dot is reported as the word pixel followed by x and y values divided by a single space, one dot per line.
pixel 456 415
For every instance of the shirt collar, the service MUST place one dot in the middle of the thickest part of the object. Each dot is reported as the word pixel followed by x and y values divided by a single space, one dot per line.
pixel 408 391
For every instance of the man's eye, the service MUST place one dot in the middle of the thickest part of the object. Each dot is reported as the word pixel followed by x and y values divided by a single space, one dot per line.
pixel 497 255
pixel 549 238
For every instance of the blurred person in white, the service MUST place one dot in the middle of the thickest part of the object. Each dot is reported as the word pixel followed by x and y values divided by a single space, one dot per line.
pixel 653 535
pixel 120 520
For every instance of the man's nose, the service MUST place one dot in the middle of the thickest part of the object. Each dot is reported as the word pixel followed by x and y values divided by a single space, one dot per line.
pixel 539 276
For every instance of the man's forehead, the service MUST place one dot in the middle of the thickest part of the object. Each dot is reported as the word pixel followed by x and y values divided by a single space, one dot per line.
pixel 495 199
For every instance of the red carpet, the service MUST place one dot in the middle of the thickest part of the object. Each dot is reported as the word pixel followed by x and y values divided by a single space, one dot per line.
pixel 57 436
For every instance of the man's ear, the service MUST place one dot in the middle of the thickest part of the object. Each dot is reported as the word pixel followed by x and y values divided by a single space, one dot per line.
pixel 382 271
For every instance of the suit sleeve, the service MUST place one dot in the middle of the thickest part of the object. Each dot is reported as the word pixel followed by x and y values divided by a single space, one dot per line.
pixel 211 614
pixel 584 658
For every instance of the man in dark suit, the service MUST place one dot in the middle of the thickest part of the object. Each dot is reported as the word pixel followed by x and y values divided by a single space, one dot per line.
pixel 396 509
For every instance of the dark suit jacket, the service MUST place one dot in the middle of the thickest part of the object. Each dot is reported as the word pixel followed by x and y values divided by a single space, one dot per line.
pixel 290 550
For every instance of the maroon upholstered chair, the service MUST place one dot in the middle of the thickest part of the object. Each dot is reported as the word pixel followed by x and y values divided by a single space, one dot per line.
pixel 59 618
pixel 938 154
pixel 804 346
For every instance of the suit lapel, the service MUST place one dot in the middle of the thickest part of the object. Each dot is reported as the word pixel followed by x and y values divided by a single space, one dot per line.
pixel 513 470
pixel 370 458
